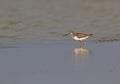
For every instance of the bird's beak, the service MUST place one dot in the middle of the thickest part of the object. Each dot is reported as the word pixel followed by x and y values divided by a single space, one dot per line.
pixel 66 34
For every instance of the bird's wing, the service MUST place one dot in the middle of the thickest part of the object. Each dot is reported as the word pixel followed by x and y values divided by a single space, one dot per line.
pixel 80 35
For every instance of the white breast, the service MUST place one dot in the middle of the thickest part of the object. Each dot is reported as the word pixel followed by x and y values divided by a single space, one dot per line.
pixel 75 38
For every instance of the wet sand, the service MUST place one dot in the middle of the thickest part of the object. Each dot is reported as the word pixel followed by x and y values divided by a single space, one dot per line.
pixel 60 62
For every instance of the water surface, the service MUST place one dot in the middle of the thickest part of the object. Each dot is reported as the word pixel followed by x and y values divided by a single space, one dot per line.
pixel 33 50
pixel 32 20
pixel 61 62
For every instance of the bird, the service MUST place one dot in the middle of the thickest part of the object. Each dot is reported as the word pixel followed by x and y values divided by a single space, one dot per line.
pixel 79 36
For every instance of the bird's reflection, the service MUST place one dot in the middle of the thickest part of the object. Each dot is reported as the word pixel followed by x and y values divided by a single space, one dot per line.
pixel 81 51
pixel 81 56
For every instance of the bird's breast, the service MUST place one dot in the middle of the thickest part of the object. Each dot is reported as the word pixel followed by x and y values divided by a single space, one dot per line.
pixel 82 38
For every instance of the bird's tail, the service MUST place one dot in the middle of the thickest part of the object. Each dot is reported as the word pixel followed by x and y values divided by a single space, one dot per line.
pixel 90 34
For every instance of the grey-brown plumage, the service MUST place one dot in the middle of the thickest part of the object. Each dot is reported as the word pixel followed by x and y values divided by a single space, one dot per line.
pixel 79 36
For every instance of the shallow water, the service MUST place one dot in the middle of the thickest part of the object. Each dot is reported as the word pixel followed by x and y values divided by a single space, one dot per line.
pixel 61 62
pixel 33 50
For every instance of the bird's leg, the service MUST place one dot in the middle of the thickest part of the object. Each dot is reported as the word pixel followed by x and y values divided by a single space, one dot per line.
pixel 81 44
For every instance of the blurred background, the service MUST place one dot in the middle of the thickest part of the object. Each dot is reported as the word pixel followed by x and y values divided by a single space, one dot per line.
pixel 34 20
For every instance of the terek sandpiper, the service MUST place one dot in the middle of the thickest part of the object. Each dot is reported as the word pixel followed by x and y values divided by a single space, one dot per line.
pixel 79 36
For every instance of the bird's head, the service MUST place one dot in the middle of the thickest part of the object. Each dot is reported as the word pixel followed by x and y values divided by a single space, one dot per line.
pixel 69 33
